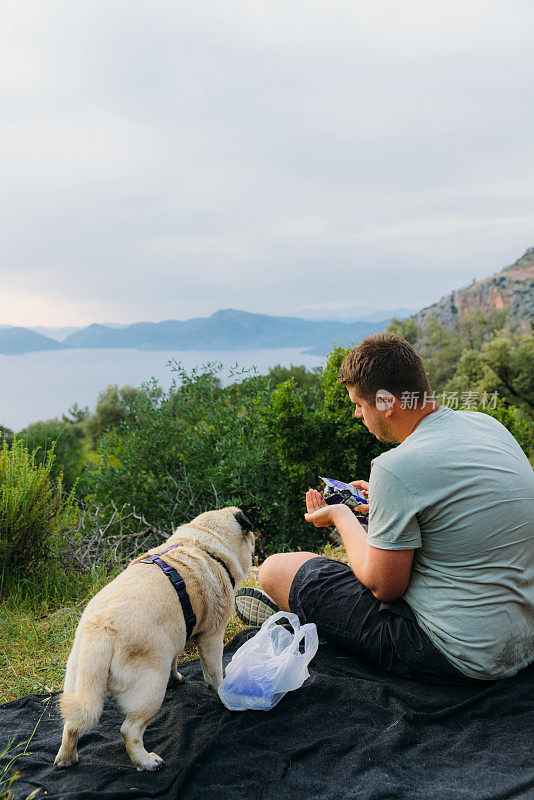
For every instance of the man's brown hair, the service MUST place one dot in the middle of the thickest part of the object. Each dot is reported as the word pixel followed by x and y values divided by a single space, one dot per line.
pixel 385 361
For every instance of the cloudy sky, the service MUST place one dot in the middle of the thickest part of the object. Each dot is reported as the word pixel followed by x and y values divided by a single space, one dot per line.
pixel 165 159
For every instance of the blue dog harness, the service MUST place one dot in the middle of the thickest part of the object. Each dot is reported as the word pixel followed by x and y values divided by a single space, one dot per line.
pixel 179 583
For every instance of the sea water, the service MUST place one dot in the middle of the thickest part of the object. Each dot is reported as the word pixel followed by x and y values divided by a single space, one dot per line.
pixel 39 386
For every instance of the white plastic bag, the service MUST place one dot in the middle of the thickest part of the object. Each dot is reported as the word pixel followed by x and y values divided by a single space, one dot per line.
pixel 270 664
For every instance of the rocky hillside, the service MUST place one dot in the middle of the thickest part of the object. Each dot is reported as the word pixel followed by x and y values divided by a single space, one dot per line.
pixel 512 290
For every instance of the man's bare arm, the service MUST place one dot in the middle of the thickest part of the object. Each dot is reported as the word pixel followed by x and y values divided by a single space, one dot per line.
pixel 385 572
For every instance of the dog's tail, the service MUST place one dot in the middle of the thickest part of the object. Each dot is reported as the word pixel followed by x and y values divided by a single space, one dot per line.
pixel 82 709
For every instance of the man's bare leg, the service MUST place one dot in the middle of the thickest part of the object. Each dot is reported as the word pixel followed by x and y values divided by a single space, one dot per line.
pixel 277 572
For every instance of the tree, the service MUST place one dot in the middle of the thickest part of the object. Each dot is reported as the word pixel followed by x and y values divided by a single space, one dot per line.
pixel 478 326
pixel 440 350
pixel 511 357
pixel 309 382
pixel 252 444
pixel 472 373
pixel 114 407
pixel 504 365
pixel 405 328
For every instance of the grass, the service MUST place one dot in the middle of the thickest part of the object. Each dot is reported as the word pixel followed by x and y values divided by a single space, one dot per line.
pixel 35 640
pixel 36 633
pixel 35 644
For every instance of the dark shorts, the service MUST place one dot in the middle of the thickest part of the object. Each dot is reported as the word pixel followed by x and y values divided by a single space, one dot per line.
pixel 347 614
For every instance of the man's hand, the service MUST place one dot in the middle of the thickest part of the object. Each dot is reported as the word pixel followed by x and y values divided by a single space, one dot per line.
pixel 362 487
pixel 385 572
pixel 321 514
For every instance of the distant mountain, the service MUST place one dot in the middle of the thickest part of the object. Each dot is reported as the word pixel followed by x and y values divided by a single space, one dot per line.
pixel 511 289
pixel 224 330
pixel 60 334
pixel 14 341
pixel 55 333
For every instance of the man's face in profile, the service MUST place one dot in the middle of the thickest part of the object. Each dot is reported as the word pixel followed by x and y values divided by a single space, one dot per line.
pixel 373 415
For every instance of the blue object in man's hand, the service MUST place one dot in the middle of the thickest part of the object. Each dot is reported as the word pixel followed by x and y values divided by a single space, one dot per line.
pixel 338 492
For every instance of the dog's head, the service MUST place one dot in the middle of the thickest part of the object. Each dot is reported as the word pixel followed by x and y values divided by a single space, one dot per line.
pixel 232 530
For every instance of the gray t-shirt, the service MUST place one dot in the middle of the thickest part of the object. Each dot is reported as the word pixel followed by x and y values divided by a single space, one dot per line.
pixel 460 491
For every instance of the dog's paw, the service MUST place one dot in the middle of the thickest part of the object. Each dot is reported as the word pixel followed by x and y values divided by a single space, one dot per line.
pixel 213 684
pixel 150 763
pixel 62 760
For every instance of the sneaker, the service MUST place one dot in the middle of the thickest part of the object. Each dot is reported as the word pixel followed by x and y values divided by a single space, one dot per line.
pixel 253 606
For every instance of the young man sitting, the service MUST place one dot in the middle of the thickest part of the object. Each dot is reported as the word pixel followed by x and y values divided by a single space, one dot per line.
pixel 441 588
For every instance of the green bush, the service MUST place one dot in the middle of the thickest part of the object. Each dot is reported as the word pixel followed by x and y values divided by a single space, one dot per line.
pixel 33 511
pixel 65 438
pixel 201 446
pixel 309 382
pixel 181 452
pixel 112 409
pixel 326 440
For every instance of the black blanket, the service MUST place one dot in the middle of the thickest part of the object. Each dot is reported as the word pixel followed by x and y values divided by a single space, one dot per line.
pixel 349 732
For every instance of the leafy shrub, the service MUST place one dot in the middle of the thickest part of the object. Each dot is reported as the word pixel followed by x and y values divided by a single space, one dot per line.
pixel 114 406
pixel 33 511
pixel 309 382
pixel 309 442
pixel 194 447
pixel 511 357
pixel 201 446
pixel 65 438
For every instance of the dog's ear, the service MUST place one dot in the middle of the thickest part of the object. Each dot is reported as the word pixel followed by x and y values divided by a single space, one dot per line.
pixel 245 523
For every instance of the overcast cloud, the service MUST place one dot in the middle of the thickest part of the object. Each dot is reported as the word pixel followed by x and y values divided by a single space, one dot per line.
pixel 166 159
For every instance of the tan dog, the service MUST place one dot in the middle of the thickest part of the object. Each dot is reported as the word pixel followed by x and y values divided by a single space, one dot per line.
pixel 132 631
